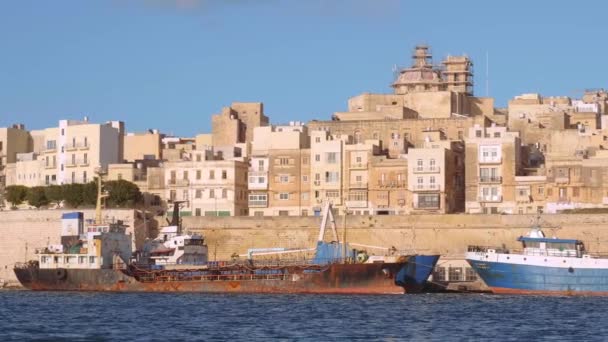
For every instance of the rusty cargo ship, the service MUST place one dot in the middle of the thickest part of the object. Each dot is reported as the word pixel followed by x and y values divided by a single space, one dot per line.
pixel 99 257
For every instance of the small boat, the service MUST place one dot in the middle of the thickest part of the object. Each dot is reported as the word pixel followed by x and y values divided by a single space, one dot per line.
pixel 545 266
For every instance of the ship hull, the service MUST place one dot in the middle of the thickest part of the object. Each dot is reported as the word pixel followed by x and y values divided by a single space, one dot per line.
pixel 565 279
pixel 380 278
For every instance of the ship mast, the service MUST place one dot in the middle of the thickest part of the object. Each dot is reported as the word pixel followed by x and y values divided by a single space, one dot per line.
pixel 100 194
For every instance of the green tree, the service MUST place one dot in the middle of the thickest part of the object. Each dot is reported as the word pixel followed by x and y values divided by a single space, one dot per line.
pixel 36 196
pixel 122 193
pixel 73 194
pixel 54 193
pixel 16 194
pixel 89 193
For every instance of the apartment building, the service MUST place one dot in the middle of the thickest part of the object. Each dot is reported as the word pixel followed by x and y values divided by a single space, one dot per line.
pixel 326 160
pixel 435 175
pixel 388 186
pixel 492 164
pixel 236 123
pixel 13 140
pixel 357 164
pixel 70 153
pixel 209 187
pixel 279 171
pixel 139 146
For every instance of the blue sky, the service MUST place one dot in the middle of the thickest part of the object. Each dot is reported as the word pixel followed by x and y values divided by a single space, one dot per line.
pixel 171 64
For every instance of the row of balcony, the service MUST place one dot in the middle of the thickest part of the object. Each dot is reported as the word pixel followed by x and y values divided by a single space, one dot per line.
pixel 69 147
pixel 427 169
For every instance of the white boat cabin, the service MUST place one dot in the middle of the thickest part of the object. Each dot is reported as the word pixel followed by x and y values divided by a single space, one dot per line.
pixel 173 248
pixel 535 243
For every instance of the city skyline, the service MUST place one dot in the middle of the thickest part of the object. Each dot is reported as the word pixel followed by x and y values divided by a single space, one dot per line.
pixel 175 63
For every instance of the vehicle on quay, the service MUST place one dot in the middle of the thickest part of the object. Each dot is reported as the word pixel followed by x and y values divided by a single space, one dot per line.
pixel 544 266
pixel 99 257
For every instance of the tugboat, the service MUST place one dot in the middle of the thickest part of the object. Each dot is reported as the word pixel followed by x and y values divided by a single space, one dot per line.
pixel 102 260
pixel 545 266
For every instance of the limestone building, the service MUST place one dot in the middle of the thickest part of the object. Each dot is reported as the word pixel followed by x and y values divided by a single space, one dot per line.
pixel 236 123
pixel 13 140
pixel 139 146
pixel 209 187
pixel 70 153
pixel 279 171
pixel 493 161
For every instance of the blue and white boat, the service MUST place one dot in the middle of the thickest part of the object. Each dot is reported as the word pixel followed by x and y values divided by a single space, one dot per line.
pixel 545 266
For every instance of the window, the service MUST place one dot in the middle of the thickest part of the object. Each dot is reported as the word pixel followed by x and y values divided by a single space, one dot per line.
pixel 62 132
pixel 332 177
pixel 198 193
pixel 496 134
pixel 73 177
pixel 375 135
pixel 331 157
pixel 86 159
pixel 317 157
pixel 185 194
pixel 198 174
pixel 211 193
pixel 91 260
pixel 460 135
pixel 332 193
pixel 549 192
pixel 197 212
pixel 575 191
pixel 198 157
pixel 428 201
pixel 261 180
pixel 305 160
pixel 305 195
pixel 284 178
pixel 261 165
pixel 283 161
pixel 432 180
pixel 284 196
pixel 224 193
pixel 541 190
pixel 305 178
pixel 84 177
pixel 432 164
pixel 211 174
pixel 478 133
pixel 317 139
pixel 358 159
pixel 304 212
pixel 357 196
pixel 185 175
pixel 358 179
pixel 224 174
pixel 73 159
pixel 172 195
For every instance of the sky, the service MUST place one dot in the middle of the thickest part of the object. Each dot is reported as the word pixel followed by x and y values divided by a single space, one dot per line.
pixel 171 64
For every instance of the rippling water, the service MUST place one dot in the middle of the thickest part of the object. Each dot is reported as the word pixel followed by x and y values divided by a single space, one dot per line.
pixel 28 315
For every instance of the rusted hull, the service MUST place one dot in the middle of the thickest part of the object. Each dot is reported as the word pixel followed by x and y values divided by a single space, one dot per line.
pixel 333 279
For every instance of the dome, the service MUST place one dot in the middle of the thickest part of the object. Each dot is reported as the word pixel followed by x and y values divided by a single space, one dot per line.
pixel 417 76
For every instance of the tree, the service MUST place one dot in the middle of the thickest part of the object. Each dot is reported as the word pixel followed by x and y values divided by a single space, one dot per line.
pixel 16 194
pixel 73 194
pixel 89 193
pixel 122 193
pixel 54 193
pixel 36 196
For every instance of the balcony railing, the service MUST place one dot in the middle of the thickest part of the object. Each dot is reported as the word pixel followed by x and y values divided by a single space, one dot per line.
pixel 358 185
pixel 490 179
pixel 426 187
pixel 391 183
pixel 562 179
pixel 490 160
pixel 490 198
pixel 356 204
pixel 427 169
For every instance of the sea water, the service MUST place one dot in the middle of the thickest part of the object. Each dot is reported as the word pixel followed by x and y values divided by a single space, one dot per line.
pixel 81 316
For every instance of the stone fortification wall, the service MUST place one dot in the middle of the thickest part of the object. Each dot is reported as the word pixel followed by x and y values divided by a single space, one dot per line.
pixel 448 235
pixel 22 231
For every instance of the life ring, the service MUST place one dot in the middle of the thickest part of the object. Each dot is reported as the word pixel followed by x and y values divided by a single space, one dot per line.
pixel 61 274
pixel 362 257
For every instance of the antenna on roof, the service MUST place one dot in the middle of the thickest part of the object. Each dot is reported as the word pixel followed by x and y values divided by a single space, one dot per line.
pixel 487 74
